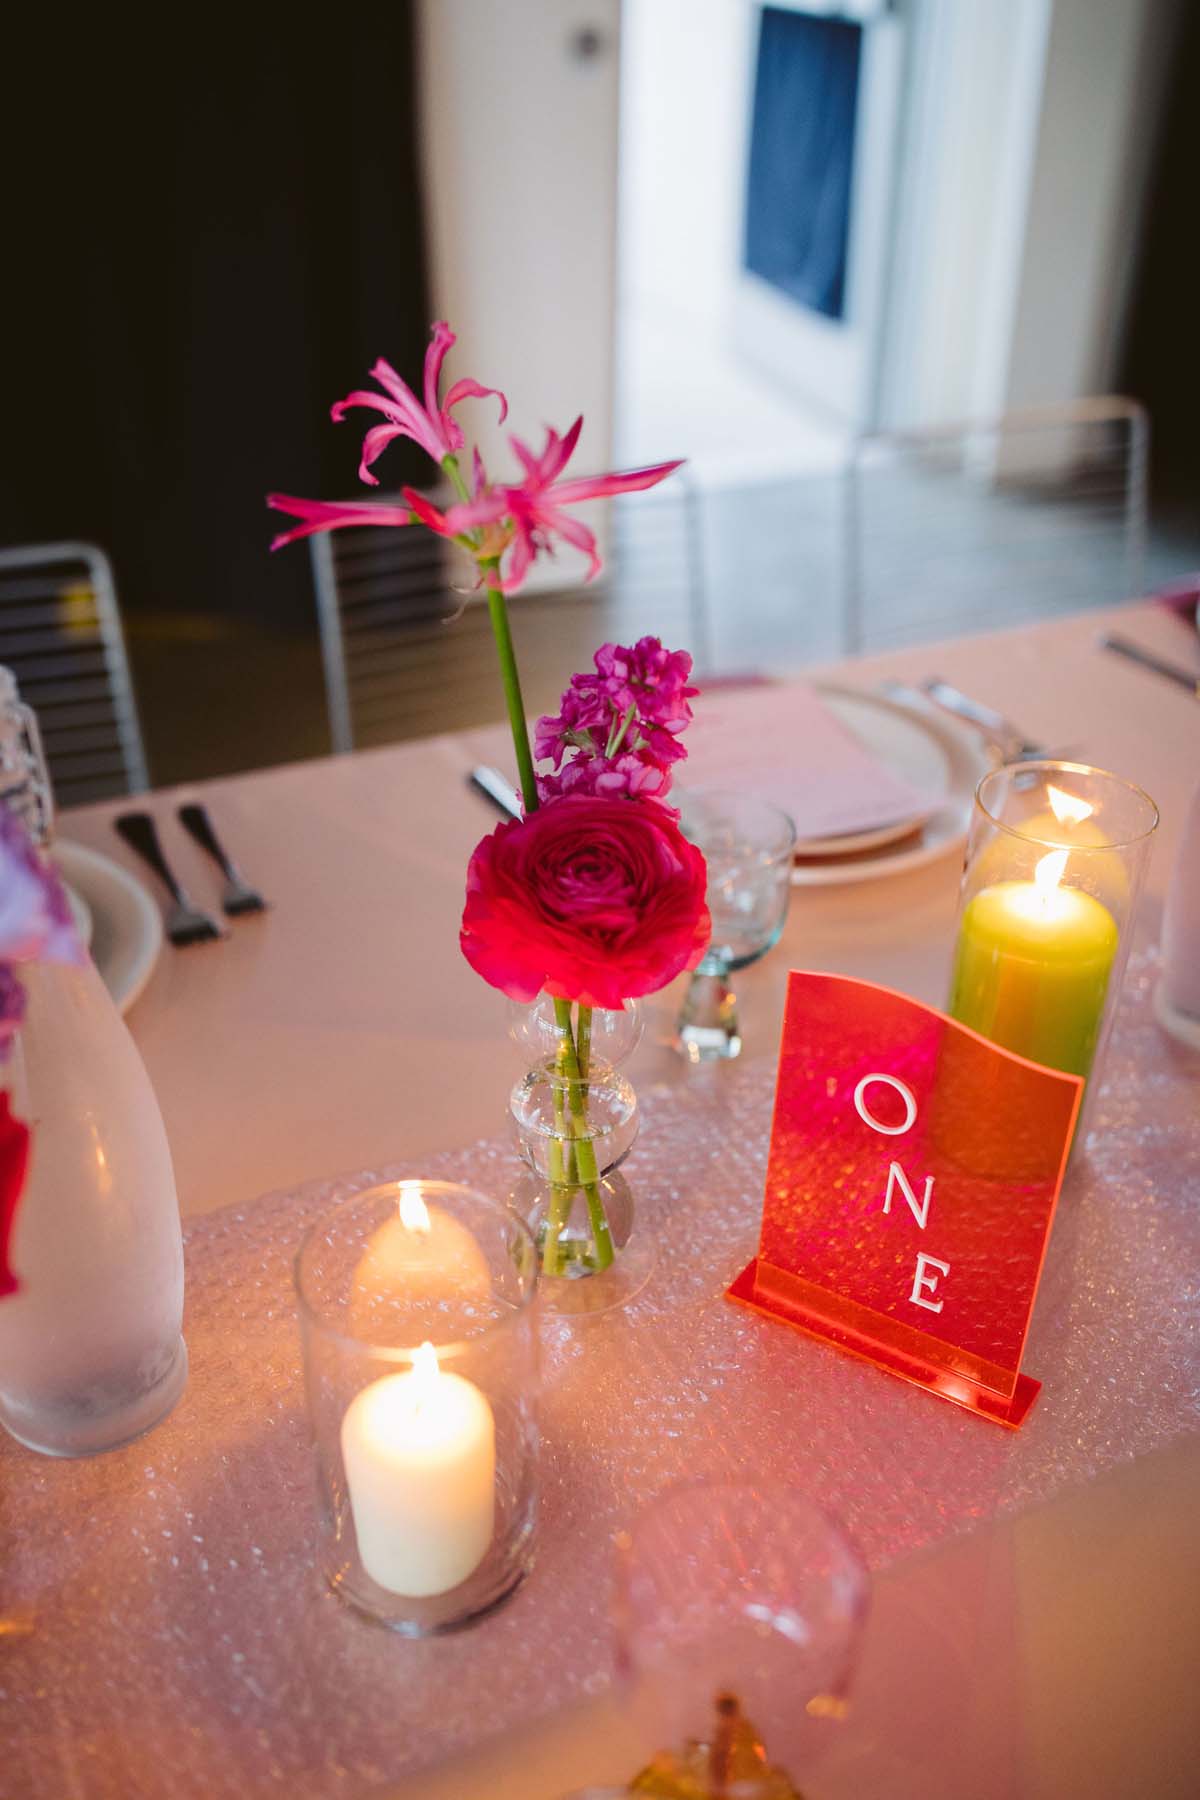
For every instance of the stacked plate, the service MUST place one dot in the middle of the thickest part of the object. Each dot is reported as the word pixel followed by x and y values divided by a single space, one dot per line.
pixel 934 754
pixel 115 917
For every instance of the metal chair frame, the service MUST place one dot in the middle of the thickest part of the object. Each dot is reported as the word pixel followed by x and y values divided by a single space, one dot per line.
pixel 37 656
pixel 979 441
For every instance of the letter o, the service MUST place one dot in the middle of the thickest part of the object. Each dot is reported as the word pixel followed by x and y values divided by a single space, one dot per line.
pixel 905 1093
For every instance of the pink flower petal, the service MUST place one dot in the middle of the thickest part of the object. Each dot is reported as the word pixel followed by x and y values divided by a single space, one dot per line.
pixel 595 487
pixel 472 390
pixel 330 515
pixel 443 338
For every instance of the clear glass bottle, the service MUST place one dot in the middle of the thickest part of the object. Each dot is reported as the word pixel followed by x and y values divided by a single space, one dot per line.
pixel 91 1352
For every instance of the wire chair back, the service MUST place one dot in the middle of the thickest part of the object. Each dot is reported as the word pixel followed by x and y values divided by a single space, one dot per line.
pixel 978 525
pixel 60 634
pixel 406 642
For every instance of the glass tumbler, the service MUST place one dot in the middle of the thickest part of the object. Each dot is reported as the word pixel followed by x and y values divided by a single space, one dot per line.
pixel 1055 863
pixel 739 1612
pixel 748 845
pixel 421 1368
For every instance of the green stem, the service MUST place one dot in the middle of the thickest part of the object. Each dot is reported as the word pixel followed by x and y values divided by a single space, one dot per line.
pixel 498 614
pixel 560 1183
pixel 585 1150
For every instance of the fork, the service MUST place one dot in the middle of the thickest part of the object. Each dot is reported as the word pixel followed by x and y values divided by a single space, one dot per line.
pixel 239 896
pixel 186 924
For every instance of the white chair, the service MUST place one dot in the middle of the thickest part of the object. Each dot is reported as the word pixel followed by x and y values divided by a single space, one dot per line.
pixel 980 525
pixel 60 633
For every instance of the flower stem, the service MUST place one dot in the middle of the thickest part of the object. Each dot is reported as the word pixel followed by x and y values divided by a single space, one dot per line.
pixel 498 614
pixel 585 1150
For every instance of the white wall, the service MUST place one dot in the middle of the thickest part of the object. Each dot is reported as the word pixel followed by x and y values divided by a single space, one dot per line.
pixel 1022 176
pixel 684 95
pixel 519 141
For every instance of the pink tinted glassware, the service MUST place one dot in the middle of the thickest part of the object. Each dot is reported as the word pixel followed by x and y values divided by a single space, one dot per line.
pixel 746 1589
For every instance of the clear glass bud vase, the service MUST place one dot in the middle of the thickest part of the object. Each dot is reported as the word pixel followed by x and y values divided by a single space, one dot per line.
pixel 575 1117
pixel 90 1348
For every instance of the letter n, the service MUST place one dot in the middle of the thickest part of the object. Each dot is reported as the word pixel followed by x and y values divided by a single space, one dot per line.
pixel 919 1208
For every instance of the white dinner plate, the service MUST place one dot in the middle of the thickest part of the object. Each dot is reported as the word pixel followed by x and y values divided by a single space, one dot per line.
pixel 126 925
pixel 935 754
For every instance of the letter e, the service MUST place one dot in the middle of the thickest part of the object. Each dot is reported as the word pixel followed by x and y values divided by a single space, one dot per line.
pixel 923 1280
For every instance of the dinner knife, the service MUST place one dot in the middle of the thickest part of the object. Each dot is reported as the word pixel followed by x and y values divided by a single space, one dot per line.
pixel 493 786
pixel 1007 737
pixel 1147 660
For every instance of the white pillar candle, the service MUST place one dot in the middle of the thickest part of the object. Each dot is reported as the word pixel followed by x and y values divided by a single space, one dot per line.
pixel 420 1456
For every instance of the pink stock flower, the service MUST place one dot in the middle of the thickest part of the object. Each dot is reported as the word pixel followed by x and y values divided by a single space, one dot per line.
pixel 432 425
pixel 35 919
pixel 628 776
pixel 618 729
pixel 532 510
pixel 650 678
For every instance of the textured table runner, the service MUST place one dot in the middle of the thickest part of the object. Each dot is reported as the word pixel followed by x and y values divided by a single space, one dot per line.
pixel 162 1628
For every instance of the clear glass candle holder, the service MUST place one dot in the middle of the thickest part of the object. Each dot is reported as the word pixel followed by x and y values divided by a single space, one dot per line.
pixel 421 1368
pixel 1055 863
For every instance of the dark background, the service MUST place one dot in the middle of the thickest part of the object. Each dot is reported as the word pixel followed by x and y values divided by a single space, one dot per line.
pixel 217 229
pixel 1161 365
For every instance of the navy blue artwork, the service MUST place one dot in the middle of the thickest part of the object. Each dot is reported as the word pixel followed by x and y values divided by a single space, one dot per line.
pixel 802 156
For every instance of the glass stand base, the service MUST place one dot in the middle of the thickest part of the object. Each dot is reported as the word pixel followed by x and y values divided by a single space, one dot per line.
pixel 576 1287
pixel 586 1296
pixel 83 1429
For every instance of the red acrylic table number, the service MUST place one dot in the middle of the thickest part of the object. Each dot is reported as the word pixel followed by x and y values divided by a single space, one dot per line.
pixel 913 1175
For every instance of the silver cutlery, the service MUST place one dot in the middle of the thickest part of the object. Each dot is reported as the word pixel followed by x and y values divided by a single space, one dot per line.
pixel 1008 738
pixel 1158 664
pixel 186 924
pixel 494 787
pixel 239 896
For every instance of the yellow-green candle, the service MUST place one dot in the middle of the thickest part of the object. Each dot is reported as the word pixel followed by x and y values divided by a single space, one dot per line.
pixel 1032 966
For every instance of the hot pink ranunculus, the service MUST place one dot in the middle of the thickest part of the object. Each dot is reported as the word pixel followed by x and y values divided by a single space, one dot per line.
pixel 587 899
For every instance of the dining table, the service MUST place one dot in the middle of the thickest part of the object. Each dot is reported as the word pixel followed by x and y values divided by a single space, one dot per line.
pixel 1035 1617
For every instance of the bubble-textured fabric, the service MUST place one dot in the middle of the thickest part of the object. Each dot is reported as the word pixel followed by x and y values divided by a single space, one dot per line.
pixel 162 1628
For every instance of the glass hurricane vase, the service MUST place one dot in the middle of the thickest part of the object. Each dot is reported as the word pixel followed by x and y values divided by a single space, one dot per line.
pixel 574 1117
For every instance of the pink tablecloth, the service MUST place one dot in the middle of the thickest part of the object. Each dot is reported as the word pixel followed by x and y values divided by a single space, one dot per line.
pixel 165 1633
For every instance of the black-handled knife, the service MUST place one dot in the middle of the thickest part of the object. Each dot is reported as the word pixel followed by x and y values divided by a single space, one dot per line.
pixel 1157 664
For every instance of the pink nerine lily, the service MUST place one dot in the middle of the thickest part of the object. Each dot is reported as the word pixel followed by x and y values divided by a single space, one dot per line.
pixel 533 509
pixel 327 515
pixel 431 425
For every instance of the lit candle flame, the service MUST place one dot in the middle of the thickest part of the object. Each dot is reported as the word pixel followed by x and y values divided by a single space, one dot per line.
pixel 414 1214
pixel 1049 873
pixel 1068 809
pixel 425 1366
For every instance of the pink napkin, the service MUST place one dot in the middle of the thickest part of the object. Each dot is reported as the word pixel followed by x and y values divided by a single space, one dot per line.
pixel 785 745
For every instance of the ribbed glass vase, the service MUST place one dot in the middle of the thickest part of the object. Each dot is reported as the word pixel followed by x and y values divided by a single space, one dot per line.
pixel 574 1117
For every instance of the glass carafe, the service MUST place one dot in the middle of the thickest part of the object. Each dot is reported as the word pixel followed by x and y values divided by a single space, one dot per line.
pixel 90 1348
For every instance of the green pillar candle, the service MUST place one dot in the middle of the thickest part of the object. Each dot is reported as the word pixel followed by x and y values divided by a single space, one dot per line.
pixel 1032 967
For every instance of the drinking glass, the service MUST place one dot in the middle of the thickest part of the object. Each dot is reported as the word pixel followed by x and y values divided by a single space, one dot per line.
pixel 739 1611
pixel 748 845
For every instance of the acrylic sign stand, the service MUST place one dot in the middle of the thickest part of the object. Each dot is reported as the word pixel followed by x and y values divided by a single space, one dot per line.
pixel 912 1181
